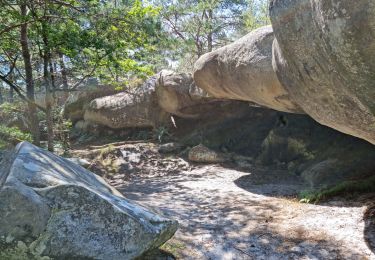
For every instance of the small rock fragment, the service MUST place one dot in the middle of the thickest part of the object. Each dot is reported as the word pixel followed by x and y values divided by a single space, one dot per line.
pixel 202 154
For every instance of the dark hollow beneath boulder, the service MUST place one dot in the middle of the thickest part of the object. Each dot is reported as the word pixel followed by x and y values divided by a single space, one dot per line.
pixel 53 208
pixel 295 143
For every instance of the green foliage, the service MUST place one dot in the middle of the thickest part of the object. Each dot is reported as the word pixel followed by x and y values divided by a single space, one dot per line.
pixel 9 111
pixel 346 187
pixel 161 133
pixel 99 39
pixel 106 150
pixel 12 135
pixel 196 27
pixel 256 15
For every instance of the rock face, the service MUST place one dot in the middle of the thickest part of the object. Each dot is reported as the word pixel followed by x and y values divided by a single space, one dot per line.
pixel 135 108
pixel 53 208
pixel 324 56
pixel 243 71
pixel 77 102
pixel 177 94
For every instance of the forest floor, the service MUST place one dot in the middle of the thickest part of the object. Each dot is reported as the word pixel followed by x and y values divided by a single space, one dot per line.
pixel 227 213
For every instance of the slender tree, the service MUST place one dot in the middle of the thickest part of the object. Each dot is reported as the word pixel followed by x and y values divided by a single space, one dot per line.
pixel 200 26
pixel 69 42
pixel 24 40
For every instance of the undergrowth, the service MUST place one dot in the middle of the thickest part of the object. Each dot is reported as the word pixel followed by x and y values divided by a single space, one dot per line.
pixel 12 135
pixel 347 187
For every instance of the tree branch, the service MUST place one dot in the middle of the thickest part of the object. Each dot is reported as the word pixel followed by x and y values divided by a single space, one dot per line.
pixel 19 91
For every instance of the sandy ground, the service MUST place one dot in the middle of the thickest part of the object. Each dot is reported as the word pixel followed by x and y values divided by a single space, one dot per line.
pixel 230 214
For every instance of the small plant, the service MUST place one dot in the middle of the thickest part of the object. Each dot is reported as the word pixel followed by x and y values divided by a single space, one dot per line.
pixel 161 133
pixel 8 108
pixel 106 150
pixel 346 187
pixel 12 135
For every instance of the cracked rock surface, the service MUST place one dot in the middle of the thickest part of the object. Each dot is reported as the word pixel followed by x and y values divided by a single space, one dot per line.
pixel 53 208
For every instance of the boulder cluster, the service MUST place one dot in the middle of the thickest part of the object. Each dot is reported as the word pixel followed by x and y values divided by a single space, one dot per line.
pixel 317 61
pixel 317 58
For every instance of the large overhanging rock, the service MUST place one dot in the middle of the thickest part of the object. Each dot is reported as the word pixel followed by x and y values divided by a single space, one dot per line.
pixel 324 56
pixel 178 95
pixel 53 208
pixel 136 108
pixel 243 71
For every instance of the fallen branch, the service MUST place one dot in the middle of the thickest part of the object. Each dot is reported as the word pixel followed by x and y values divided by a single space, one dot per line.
pixel 120 144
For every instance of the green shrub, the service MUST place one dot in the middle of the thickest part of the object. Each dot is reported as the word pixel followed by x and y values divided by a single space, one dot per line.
pixel 12 135
pixel 161 133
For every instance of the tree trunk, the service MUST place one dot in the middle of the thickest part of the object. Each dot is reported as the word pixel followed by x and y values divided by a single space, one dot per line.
pixel 33 119
pixel 1 96
pixel 11 90
pixel 48 86
pixel 64 76
pixel 52 74
pixel 210 34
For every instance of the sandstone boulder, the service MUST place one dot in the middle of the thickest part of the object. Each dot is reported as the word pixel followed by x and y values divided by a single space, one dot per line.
pixel 178 95
pixel 324 57
pixel 53 208
pixel 74 108
pixel 136 108
pixel 243 71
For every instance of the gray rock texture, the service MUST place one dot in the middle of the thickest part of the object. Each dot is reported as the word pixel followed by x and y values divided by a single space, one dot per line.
pixel 133 108
pixel 75 105
pixel 53 208
pixel 324 57
pixel 177 94
pixel 243 71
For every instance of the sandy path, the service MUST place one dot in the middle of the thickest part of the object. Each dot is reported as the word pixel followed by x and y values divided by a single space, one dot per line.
pixel 228 214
